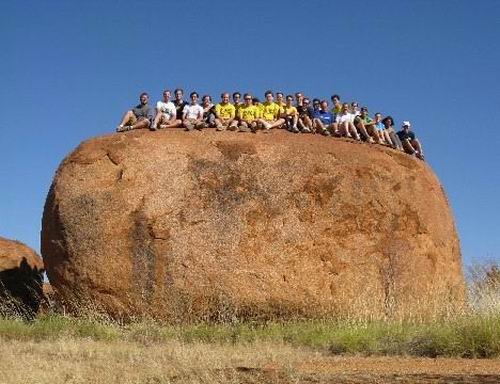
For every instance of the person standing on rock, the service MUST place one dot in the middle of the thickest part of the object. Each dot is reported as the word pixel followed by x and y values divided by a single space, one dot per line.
pixel 225 113
pixel 192 116
pixel 410 143
pixel 140 116
pixel 270 113
pixel 165 113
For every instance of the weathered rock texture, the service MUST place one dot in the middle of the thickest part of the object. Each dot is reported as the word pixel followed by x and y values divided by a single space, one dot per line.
pixel 184 225
pixel 21 277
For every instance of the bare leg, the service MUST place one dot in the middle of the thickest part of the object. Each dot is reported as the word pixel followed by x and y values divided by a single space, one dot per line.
pixel 335 128
pixel 353 130
pixel 362 129
pixel 142 123
pixel 306 120
pixel 408 147
pixel 277 124
pixel 387 138
pixel 127 118
pixel 395 140
pixel 319 126
pixel 372 130
pixel 419 153
pixel 344 129
pixel 172 124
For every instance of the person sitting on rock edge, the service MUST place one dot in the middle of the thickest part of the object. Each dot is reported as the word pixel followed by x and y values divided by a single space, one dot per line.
pixel 179 103
pixel 270 114
pixel 192 116
pixel 344 123
pixel 388 122
pixel 140 116
pixel 366 126
pixel 290 115
pixel 305 112
pixel 410 143
pixel 237 101
pixel 208 111
pixel 165 113
pixel 323 119
pixel 248 115
pixel 225 113
pixel 383 134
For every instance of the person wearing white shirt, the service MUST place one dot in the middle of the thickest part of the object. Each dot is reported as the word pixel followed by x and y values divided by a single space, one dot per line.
pixel 192 115
pixel 344 120
pixel 165 113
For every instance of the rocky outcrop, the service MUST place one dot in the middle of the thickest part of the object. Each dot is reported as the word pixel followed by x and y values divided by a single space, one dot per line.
pixel 21 277
pixel 212 225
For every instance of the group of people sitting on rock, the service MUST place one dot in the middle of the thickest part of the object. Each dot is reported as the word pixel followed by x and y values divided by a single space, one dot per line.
pixel 296 113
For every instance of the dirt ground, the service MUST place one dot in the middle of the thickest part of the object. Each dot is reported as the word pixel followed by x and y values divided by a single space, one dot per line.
pixel 353 370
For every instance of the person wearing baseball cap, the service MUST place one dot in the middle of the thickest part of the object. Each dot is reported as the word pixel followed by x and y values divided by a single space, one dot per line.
pixel 411 144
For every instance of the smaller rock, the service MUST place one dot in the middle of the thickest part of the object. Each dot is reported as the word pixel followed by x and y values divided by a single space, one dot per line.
pixel 21 279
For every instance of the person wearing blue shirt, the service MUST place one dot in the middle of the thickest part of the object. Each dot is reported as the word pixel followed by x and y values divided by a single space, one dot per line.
pixel 323 119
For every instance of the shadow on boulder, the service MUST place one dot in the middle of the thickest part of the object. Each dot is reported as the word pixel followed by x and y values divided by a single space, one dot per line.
pixel 21 280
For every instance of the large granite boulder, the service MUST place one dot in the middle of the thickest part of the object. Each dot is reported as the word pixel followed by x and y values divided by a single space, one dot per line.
pixel 21 279
pixel 188 225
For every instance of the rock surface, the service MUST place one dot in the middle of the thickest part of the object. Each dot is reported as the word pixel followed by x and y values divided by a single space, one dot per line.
pixel 21 276
pixel 211 225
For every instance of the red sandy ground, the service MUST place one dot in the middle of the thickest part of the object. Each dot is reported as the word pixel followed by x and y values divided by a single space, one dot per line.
pixel 353 370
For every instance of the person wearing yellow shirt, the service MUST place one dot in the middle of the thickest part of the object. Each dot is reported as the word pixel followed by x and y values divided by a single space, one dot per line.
pixel 270 114
pixel 336 110
pixel 248 115
pixel 290 114
pixel 225 113
pixel 237 101
pixel 280 99
pixel 256 102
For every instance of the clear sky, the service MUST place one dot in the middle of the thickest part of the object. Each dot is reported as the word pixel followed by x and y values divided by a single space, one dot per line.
pixel 69 69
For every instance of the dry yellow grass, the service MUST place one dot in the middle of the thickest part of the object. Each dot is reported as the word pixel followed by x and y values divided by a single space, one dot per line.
pixel 75 361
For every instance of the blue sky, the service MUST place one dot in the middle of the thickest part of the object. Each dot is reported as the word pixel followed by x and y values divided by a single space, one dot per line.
pixel 71 68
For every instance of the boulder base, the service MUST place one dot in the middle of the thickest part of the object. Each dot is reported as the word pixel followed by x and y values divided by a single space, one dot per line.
pixel 21 277
pixel 188 225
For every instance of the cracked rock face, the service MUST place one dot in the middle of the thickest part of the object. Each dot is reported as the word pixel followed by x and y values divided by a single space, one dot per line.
pixel 209 225
pixel 21 278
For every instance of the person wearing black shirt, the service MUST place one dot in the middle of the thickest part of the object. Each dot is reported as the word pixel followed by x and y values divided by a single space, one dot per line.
pixel 411 144
pixel 305 112
pixel 179 103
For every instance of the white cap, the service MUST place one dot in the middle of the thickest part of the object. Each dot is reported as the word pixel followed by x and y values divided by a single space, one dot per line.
pixel 406 124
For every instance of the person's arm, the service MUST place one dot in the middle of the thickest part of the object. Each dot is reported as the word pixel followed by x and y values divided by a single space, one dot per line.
pixel 282 112
pixel 200 113
pixel 185 112
pixel 217 111
pixel 150 114
pixel 173 114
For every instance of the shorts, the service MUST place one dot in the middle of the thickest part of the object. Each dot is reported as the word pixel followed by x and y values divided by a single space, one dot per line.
pixel 345 118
